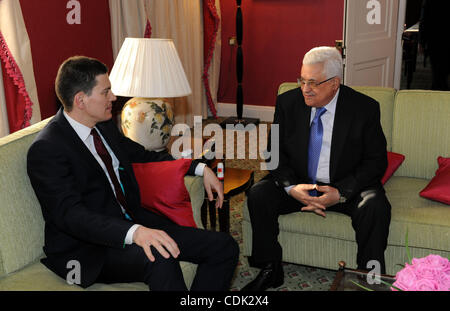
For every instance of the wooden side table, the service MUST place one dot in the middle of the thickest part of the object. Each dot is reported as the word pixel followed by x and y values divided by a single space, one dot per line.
pixel 235 181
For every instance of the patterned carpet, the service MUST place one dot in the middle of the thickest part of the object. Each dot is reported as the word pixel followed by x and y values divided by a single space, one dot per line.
pixel 296 277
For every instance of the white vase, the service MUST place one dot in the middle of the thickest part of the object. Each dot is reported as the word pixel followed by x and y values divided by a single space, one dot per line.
pixel 148 121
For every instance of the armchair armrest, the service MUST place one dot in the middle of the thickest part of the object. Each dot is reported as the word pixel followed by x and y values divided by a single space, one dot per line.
pixel 194 185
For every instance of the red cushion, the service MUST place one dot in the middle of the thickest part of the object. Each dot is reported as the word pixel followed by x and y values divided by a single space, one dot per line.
pixel 163 190
pixel 439 187
pixel 394 161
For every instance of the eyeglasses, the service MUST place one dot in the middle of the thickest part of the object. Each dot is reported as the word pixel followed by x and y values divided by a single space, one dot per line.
pixel 312 84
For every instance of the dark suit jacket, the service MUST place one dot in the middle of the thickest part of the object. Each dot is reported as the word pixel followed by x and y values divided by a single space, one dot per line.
pixel 82 216
pixel 358 156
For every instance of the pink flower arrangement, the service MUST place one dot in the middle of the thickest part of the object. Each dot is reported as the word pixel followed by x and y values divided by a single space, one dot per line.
pixel 431 273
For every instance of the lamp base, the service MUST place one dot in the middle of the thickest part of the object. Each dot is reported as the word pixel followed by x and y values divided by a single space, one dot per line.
pixel 148 121
pixel 235 121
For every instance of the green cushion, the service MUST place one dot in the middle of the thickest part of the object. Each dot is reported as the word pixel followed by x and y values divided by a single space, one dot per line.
pixel 194 186
pixel 421 131
pixel 287 86
pixel 36 277
pixel 21 222
pixel 427 222
pixel 384 96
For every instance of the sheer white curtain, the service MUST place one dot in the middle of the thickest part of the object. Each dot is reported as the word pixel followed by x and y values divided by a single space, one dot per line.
pixel 128 19
pixel 181 21
pixel 4 128
pixel 15 33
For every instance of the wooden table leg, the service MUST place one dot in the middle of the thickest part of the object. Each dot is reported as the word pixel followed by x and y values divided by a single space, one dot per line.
pixel 212 214
pixel 204 213
pixel 208 208
pixel 224 216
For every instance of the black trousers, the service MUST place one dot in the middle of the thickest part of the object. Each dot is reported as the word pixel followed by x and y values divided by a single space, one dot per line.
pixel 266 201
pixel 216 254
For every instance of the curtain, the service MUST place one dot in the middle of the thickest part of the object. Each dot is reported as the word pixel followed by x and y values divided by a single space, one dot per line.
pixel 19 92
pixel 128 19
pixel 214 70
pixel 212 48
pixel 181 21
pixel 4 127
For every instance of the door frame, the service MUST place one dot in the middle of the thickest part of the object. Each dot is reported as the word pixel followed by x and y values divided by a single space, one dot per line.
pixel 399 48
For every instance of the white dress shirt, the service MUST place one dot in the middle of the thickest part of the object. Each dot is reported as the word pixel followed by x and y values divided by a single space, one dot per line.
pixel 323 168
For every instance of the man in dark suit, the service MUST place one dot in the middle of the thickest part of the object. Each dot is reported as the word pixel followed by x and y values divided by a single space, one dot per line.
pixel 332 157
pixel 90 220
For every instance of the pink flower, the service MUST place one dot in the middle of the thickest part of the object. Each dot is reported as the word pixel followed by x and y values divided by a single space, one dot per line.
pixel 444 280
pixel 406 278
pixel 424 270
pixel 427 285
pixel 431 273
pixel 437 261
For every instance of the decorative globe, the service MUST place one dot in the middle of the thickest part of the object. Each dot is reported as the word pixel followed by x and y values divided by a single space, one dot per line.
pixel 148 122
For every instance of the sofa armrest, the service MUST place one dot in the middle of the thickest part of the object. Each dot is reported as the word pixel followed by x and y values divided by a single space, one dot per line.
pixel 194 185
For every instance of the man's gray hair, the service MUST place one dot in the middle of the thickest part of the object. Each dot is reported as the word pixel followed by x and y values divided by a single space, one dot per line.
pixel 329 56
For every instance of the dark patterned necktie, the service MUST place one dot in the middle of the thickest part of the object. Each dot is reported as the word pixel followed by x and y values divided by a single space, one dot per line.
pixel 106 158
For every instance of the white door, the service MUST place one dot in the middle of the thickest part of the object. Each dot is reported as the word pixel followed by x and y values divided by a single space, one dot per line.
pixel 370 41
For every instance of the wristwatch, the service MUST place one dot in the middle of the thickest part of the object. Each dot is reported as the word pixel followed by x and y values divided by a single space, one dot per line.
pixel 342 199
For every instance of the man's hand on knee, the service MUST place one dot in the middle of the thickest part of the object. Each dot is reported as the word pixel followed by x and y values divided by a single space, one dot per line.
pixel 164 244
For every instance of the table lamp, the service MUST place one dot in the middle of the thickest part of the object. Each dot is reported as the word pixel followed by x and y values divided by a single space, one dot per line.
pixel 150 71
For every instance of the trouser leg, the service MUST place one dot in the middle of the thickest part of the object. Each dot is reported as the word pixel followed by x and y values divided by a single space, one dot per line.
pixel 130 264
pixel 266 201
pixel 215 253
pixel 371 216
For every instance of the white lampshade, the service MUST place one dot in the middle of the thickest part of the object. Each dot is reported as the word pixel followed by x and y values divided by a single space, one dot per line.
pixel 149 68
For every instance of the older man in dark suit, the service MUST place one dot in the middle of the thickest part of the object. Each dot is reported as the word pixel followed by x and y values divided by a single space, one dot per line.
pixel 77 166
pixel 332 158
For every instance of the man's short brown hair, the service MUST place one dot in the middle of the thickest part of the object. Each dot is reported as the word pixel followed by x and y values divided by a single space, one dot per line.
pixel 77 73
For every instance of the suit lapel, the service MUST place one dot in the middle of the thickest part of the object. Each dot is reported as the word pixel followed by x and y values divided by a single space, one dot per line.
pixel 78 145
pixel 342 121
pixel 303 128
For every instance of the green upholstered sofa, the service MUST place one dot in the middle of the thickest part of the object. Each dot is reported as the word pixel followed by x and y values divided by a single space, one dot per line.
pixel 416 124
pixel 22 224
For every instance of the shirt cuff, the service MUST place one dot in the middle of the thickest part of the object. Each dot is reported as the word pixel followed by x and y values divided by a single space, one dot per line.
pixel 187 154
pixel 199 169
pixel 287 189
pixel 130 233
